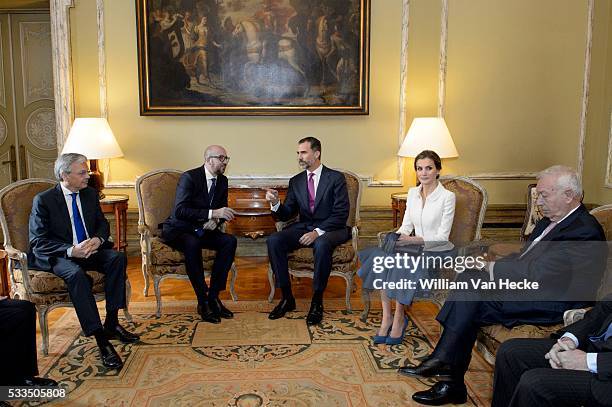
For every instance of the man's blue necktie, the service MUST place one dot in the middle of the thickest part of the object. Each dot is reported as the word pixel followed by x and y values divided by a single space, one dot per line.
pixel 79 228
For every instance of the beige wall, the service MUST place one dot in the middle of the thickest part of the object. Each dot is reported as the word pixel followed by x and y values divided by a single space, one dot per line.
pixel 513 100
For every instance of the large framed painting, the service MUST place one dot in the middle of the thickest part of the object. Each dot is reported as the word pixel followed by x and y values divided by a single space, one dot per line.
pixel 253 57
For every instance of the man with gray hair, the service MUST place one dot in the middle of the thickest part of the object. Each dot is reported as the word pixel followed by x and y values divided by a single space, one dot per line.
pixel 200 207
pixel 69 235
pixel 554 256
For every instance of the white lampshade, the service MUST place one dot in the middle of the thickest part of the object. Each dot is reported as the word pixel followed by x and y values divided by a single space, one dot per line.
pixel 428 133
pixel 92 137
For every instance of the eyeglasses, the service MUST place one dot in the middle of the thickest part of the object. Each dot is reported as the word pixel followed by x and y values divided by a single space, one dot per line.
pixel 222 158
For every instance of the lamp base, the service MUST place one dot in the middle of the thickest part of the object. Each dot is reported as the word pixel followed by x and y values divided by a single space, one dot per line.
pixel 96 178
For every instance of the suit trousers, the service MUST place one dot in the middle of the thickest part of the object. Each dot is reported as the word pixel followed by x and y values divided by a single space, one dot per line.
pixel 109 262
pixel 524 378
pixel 191 245
pixel 17 341
pixel 280 244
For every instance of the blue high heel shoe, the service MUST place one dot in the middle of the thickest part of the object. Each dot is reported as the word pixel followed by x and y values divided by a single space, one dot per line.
pixel 379 339
pixel 396 341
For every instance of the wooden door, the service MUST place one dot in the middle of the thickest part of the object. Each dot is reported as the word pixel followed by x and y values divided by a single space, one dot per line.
pixel 29 147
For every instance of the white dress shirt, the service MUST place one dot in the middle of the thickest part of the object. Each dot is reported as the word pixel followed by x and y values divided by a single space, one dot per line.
pixel 68 199
pixel 432 220
pixel 209 178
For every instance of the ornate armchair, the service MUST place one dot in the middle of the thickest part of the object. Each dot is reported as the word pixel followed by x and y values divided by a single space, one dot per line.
pixel 344 261
pixel 490 337
pixel 155 192
pixel 470 207
pixel 44 289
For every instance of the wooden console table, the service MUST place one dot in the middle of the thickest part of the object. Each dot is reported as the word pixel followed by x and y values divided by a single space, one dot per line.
pixel 117 205
pixel 254 218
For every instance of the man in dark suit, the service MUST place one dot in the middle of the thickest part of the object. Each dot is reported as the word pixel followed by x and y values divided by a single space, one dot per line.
pixel 554 256
pixel 320 197
pixel 575 369
pixel 68 235
pixel 199 209
pixel 18 345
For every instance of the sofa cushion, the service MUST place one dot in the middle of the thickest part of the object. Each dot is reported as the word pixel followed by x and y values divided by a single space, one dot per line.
pixel 45 282
pixel 162 254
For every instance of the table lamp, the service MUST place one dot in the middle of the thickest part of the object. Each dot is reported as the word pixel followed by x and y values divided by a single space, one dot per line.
pixel 93 137
pixel 428 133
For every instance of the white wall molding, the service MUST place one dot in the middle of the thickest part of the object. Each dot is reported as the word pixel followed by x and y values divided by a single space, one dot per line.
pixel 608 182
pixel 62 67
pixel 586 79
pixel 443 59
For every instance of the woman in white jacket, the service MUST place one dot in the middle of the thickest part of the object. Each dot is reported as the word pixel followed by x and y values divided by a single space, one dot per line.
pixel 430 209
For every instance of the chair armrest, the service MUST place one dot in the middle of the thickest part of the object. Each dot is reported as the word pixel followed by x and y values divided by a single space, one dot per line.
pixel 381 236
pixel 280 225
pixel 573 315
pixel 17 256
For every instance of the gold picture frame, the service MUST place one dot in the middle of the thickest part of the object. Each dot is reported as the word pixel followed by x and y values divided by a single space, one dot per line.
pixel 253 57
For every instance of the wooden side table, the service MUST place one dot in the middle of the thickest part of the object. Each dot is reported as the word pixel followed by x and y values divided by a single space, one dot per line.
pixel 398 205
pixel 117 205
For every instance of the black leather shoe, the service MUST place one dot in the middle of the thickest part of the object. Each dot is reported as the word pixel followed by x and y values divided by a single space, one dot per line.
pixel 430 367
pixel 220 309
pixel 39 382
pixel 119 332
pixel 110 357
pixel 208 313
pixel 282 308
pixel 315 315
pixel 442 393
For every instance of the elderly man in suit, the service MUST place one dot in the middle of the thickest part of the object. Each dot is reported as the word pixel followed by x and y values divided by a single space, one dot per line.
pixel 200 207
pixel 319 196
pixel 68 235
pixel 554 255
pixel 575 369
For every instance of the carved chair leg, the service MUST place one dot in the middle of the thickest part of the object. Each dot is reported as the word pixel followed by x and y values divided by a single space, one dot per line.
pixel 145 275
pixel 156 282
pixel 128 295
pixel 234 272
pixel 271 280
pixel 365 298
pixel 349 286
pixel 44 328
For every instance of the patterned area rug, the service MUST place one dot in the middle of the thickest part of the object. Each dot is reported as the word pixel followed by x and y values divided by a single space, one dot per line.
pixel 249 361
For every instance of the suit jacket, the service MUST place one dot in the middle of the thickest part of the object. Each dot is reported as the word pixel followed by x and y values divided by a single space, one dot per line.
pixel 569 262
pixel 331 201
pixel 433 221
pixel 192 202
pixel 51 228
pixel 595 323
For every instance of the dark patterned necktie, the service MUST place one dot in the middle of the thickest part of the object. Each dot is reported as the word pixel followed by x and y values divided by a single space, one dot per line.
pixel 211 191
